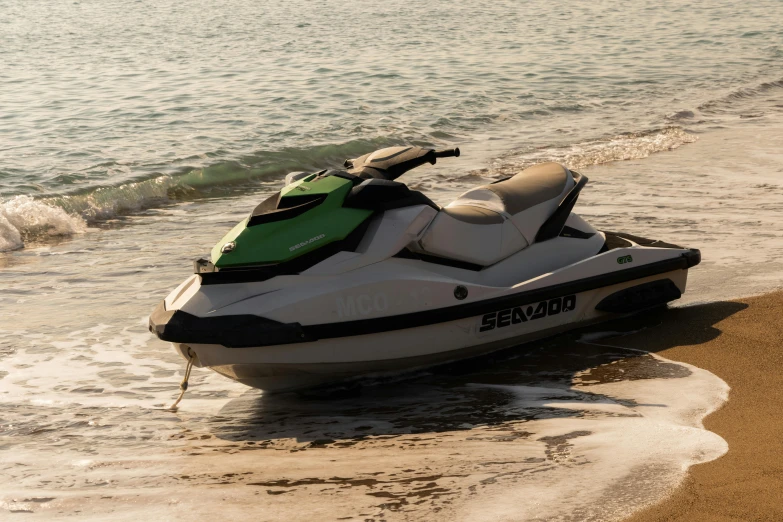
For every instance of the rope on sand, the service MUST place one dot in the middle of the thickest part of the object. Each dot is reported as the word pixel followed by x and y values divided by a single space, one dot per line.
pixel 183 386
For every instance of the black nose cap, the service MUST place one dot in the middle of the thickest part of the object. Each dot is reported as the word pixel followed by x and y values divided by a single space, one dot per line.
pixel 159 319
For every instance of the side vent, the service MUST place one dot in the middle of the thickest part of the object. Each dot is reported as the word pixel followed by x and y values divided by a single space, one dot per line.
pixel 639 297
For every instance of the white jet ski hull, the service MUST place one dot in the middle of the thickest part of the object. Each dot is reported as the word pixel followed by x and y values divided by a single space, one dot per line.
pixel 347 355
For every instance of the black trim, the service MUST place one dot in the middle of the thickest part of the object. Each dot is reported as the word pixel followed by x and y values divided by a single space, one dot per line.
pixel 501 180
pixel 406 253
pixel 345 175
pixel 555 223
pixel 249 331
pixel 230 331
pixel 463 311
pixel 639 297
pixel 382 194
pixel 623 240
pixel 693 257
pixel 575 233
pixel 287 207
pixel 643 241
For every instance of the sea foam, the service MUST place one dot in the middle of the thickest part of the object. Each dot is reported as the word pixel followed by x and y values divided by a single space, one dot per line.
pixel 629 448
pixel 23 218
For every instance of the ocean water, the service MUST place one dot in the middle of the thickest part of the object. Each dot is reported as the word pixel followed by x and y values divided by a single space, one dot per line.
pixel 108 107
pixel 134 134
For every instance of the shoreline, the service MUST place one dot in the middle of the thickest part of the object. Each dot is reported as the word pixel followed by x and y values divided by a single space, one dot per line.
pixel 746 352
pixel 440 448
pixel 428 447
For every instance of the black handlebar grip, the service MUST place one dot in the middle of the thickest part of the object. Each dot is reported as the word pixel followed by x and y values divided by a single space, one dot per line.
pixel 447 153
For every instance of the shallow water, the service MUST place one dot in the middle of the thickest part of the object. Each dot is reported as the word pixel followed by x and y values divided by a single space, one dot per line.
pixel 132 136
pixel 471 441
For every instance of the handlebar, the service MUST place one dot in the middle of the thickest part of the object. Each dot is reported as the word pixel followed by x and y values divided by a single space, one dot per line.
pixel 392 162
pixel 447 153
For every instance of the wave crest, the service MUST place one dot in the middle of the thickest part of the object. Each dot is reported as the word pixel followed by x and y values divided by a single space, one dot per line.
pixel 108 202
pixel 222 178
pixel 23 218
pixel 740 98
pixel 623 147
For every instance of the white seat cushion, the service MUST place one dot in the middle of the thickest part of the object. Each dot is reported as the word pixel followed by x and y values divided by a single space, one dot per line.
pixel 489 223
pixel 472 234
pixel 528 198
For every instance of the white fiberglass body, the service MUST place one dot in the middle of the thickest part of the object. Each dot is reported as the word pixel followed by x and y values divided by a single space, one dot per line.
pixel 413 284
pixel 373 303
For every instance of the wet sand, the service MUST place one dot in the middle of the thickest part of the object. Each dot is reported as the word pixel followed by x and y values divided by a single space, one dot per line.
pixel 545 431
pixel 550 431
pixel 747 353
pixel 410 463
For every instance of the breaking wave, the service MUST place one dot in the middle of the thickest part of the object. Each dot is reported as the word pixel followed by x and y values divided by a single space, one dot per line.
pixel 23 218
pixel 220 179
pixel 623 147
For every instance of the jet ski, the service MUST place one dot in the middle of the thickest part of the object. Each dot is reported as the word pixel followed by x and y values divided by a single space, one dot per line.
pixel 348 273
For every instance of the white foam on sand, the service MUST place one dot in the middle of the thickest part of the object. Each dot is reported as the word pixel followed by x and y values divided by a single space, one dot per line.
pixel 23 217
pixel 103 367
pixel 629 448
pixel 594 450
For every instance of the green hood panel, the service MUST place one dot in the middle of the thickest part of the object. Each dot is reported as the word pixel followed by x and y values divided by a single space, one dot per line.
pixel 286 239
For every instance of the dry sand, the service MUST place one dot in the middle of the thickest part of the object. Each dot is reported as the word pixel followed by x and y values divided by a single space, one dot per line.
pixel 746 351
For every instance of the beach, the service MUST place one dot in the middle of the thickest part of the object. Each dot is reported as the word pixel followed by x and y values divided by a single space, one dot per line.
pixel 134 136
pixel 745 350
pixel 498 438
pixel 578 427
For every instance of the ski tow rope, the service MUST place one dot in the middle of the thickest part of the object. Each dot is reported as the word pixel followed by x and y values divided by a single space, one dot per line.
pixel 183 386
